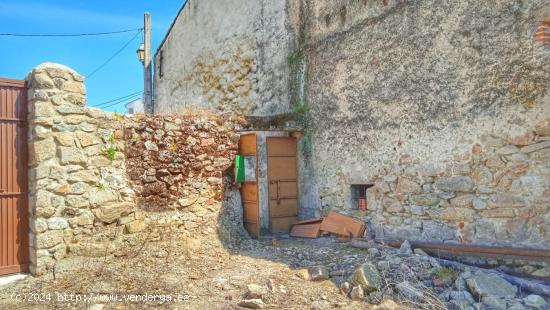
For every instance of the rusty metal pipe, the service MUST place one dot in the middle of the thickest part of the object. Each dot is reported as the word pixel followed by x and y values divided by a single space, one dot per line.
pixel 473 250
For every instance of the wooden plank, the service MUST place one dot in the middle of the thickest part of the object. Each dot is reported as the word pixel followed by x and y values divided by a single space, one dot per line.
pixel 308 230
pixel 343 225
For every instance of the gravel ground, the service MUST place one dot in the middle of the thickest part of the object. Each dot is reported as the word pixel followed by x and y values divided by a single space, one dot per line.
pixel 206 275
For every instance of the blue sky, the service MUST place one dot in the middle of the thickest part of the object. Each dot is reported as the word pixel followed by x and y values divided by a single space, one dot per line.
pixel 122 76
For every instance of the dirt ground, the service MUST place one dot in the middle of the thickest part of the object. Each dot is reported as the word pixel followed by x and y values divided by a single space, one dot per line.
pixel 202 274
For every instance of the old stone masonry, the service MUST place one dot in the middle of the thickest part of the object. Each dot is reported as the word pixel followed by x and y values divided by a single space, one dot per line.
pixel 100 182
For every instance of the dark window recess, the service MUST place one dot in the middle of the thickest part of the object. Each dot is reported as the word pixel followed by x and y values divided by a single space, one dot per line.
pixel 359 196
pixel 161 63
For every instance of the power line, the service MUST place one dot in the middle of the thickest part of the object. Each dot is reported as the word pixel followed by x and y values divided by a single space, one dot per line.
pixel 114 55
pixel 117 99
pixel 113 104
pixel 68 35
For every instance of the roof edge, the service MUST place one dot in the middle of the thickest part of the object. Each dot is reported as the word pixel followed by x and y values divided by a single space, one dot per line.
pixel 170 28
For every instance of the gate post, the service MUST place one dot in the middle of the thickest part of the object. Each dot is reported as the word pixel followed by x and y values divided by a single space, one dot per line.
pixel 53 90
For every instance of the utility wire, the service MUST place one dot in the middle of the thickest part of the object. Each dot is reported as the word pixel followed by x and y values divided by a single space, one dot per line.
pixel 68 35
pixel 117 99
pixel 114 55
pixel 113 104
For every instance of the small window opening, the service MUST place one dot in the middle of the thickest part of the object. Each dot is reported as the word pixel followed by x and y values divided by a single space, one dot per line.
pixel 359 196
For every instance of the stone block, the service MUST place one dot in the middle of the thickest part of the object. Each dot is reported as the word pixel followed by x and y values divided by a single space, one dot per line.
pixel 498 213
pixel 535 147
pixel 88 176
pixel 425 199
pixel 490 285
pixel 405 185
pixel 49 239
pixel 100 197
pixel 110 213
pixel 78 188
pixel 542 128
pixel 508 150
pixel 495 162
pixel 42 150
pixel 43 109
pixel 368 277
pixel 318 273
pixel 38 225
pixel 71 155
pixel 462 201
pixel 70 109
pixel 91 249
pixel 87 139
pixel 55 223
pixel 457 214
pixel 491 141
pixel 41 80
pixel 505 200
pixel 521 137
pixel 135 227
pixel 77 201
pixel 83 219
pixel 74 87
pixel 455 184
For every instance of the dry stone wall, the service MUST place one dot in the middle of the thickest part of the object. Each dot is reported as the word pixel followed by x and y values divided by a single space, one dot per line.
pixel 101 183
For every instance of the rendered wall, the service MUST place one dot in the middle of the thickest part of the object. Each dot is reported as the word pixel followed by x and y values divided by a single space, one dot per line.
pixel 441 105
pixel 224 56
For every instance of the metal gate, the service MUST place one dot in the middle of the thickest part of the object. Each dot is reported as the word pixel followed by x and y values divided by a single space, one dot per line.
pixel 282 174
pixel 249 190
pixel 13 177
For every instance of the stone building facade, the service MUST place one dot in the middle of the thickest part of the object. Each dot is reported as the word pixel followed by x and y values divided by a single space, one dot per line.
pixel 440 108
pixel 224 55
pixel 101 183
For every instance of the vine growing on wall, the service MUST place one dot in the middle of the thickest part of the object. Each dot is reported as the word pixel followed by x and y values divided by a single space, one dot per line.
pixel 297 63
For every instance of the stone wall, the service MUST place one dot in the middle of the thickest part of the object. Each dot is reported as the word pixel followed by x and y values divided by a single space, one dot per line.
pixel 427 100
pixel 224 56
pixel 101 183
pixel 386 91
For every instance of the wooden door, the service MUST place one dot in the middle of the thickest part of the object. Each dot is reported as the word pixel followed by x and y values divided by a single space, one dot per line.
pixel 249 189
pixel 13 177
pixel 283 183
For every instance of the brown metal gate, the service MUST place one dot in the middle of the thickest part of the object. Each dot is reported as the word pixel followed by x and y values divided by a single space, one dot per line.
pixel 282 174
pixel 249 190
pixel 13 177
